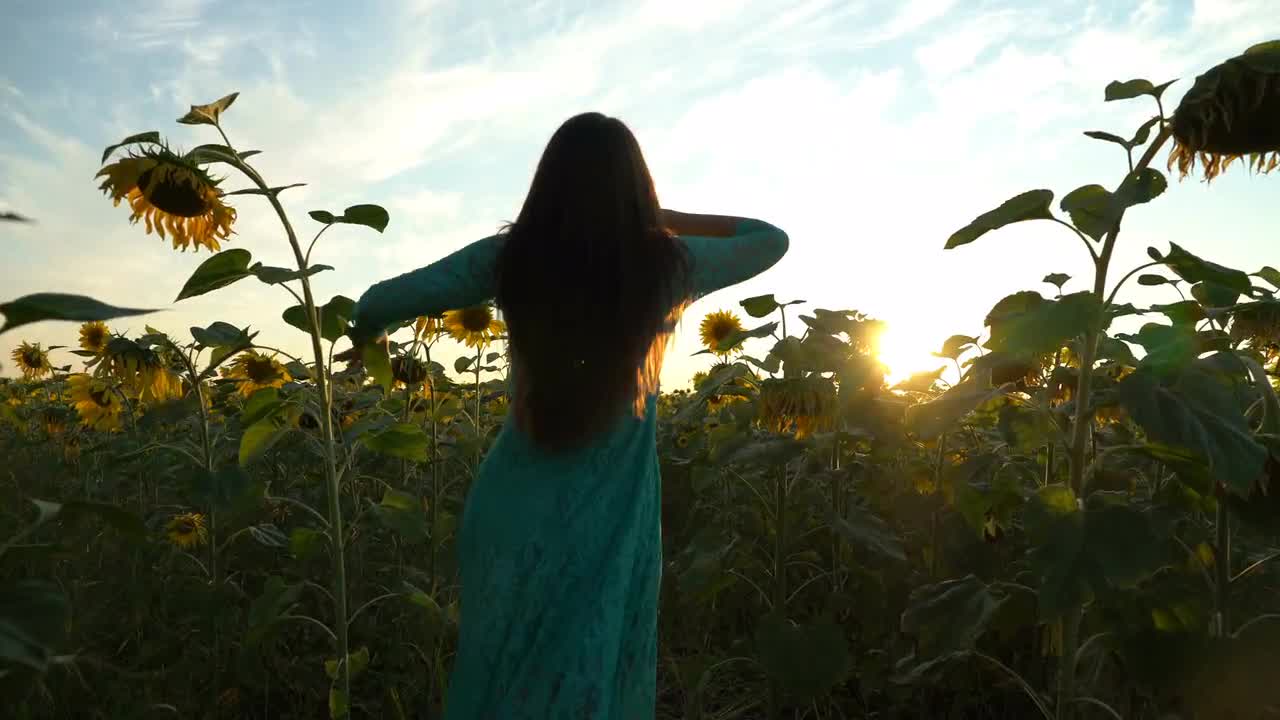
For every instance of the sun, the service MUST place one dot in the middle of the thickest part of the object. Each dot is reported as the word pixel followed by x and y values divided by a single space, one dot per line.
pixel 905 349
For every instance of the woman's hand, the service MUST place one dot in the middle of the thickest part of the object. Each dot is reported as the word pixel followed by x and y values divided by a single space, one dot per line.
pixel 354 355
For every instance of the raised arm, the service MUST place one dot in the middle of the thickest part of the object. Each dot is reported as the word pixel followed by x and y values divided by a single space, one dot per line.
pixel 465 277
pixel 727 250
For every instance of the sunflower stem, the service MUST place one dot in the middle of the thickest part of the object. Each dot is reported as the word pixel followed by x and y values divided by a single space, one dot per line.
pixel 1080 431
pixel 336 532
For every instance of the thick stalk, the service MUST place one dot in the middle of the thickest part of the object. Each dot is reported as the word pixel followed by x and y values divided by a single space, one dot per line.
pixel 1222 568
pixel 336 530
pixel 933 516
pixel 1080 435
pixel 779 577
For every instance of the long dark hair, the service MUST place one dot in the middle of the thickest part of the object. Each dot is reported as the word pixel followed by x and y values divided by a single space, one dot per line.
pixel 590 284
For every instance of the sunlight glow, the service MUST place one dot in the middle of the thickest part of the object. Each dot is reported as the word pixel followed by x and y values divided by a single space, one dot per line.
pixel 905 349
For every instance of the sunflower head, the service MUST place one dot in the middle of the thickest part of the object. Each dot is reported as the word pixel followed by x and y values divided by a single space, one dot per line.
pixel 94 337
pixel 427 327
pixel 172 196
pixel 1258 323
pixel 476 326
pixel 408 370
pixel 142 371
pixel 255 371
pixel 682 441
pixel 32 361
pixel 717 327
pixel 805 404
pixel 187 530
pixel 1232 112
pixel 96 402
pixel 53 420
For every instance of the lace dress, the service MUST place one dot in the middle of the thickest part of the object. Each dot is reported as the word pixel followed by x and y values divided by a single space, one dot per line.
pixel 560 555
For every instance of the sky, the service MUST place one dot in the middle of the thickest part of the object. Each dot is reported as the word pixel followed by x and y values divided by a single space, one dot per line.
pixel 869 131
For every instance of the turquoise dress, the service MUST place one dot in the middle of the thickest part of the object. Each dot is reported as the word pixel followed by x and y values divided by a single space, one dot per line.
pixel 560 555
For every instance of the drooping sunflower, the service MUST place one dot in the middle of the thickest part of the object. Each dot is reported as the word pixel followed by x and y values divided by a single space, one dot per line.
pixel 717 327
pixel 407 370
pixel 256 371
pixel 475 326
pixel 807 404
pixel 142 371
pixel 187 530
pixel 1258 323
pixel 1231 113
pixel 96 401
pixel 427 327
pixel 32 361
pixel 172 196
pixel 94 337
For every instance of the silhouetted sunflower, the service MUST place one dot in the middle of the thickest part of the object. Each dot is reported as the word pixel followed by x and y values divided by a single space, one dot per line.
pixel 476 326
pixel 32 361
pixel 94 337
pixel 807 404
pixel 1232 112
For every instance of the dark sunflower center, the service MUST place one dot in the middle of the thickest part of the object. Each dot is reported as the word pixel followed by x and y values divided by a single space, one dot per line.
pixel 260 370
pixel 95 336
pixel 32 359
pixel 476 319
pixel 177 192
pixel 185 527
pixel 721 329
pixel 101 397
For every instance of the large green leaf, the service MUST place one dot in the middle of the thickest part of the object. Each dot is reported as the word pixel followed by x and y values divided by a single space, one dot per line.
pixel 759 306
pixel 335 316
pixel 372 216
pixel 950 615
pixel 220 334
pixel 402 440
pixel 868 535
pixel 1117 90
pixel 151 137
pixel 1079 552
pixel 1092 209
pixel 1046 326
pixel 1193 410
pixel 33 621
pixel 1030 205
pixel 218 271
pixel 930 419
pixel 1195 270
pixel 954 346
pixel 1168 347
pixel 261 435
pixel 806 660
pixel 60 306
pixel 275 275
pixel 402 513
pixel 1140 186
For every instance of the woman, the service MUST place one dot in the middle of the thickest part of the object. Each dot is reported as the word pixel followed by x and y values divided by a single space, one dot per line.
pixel 560 545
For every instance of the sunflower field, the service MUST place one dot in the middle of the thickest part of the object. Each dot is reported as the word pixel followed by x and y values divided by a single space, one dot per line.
pixel 1081 522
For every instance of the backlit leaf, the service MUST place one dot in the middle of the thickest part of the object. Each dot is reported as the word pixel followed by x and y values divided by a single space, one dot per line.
pixel 1030 205
pixel 60 306
pixel 218 271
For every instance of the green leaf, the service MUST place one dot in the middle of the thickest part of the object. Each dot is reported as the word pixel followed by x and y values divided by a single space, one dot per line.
pixel 33 620
pixel 1045 326
pixel 263 403
pixel 1150 279
pixel 170 412
pixel 806 660
pixel 205 154
pixel 218 271
pixel 269 535
pixel 921 382
pixel 1030 205
pixel 1194 411
pixel 60 306
pixel 323 216
pixel 402 513
pixel 1168 347
pixel 339 705
pixel 335 317
pixel 372 216
pixel 930 419
pixel 951 615
pixel 1078 553
pixel 954 346
pixel 1183 312
pixel 208 114
pixel 463 362
pixel 1117 90
pixel 1139 187
pixel 867 534
pixel 760 305
pixel 1092 209
pixel 1057 279
pixel 1144 132
pixel 378 364
pixel 151 137
pixel 275 600
pixel 304 541
pixel 1195 270
pixel 225 488
pixel 260 436
pixel 1100 135
pixel 402 440
pixel 1270 274
pixel 220 334
pixel 357 661
pixel 771 451
pixel 737 338
pixel 114 516
pixel 267 192
pixel 1213 295
pixel 276 275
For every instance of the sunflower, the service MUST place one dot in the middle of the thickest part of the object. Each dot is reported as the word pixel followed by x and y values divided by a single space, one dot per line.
pixel 1258 323
pixel 53 421
pixel 256 371
pixel 1232 112
pixel 94 337
pixel 427 327
pixel 476 326
pixel 699 378
pixel 96 401
pixel 716 328
pixel 143 372
pixel 32 361
pixel 408 370
pixel 171 195
pixel 806 403
pixel 186 530
pixel 682 441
